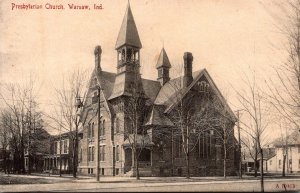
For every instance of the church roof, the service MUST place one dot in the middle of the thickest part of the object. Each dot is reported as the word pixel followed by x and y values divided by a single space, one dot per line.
pixel 128 34
pixel 163 60
pixel 156 118
pixel 151 88
pixel 108 82
pixel 169 95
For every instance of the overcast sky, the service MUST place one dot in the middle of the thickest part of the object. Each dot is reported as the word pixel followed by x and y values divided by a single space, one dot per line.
pixel 227 37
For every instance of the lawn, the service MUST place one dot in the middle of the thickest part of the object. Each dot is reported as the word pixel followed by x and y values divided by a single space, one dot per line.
pixel 4 179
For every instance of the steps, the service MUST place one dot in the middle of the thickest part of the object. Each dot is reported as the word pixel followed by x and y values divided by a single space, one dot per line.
pixel 144 172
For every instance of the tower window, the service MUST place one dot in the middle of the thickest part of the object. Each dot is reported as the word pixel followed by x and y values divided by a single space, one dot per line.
pixel 136 56
pixel 129 55
pixel 95 82
pixel 123 54
pixel 119 56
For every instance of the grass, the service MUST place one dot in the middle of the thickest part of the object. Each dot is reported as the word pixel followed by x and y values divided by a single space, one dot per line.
pixel 4 179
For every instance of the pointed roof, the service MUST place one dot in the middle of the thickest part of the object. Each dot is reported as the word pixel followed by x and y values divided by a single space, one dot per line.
pixel 128 34
pixel 163 60
pixel 170 94
pixel 156 118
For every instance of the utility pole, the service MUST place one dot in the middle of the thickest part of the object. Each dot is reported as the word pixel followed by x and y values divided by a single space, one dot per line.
pixel 240 152
pixel 60 147
pixel 75 152
pixel 98 138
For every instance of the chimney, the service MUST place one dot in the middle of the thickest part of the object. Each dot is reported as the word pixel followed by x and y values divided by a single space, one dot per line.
pixel 188 69
pixel 98 52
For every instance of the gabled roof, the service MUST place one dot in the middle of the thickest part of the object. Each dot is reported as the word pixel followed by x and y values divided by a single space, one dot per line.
pixel 268 153
pixel 108 82
pixel 151 88
pixel 169 95
pixel 128 34
pixel 156 118
pixel 119 87
pixel 163 60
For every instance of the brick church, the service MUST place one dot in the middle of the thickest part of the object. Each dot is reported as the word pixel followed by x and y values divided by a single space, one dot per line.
pixel 142 112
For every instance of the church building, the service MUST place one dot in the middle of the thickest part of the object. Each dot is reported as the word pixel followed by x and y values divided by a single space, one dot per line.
pixel 162 120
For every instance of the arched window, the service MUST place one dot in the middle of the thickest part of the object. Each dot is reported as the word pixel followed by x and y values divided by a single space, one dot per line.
pixel 93 130
pixel 137 56
pixel 117 125
pixel 203 86
pixel 117 153
pixel 123 55
pixel 89 130
pixel 129 55
pixel 95 81
pixel 102 130
pixel 119 56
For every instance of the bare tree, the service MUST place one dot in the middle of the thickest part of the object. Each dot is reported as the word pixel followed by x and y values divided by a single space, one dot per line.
pixel 5 137
pixel 198 112
pixel 257 113
pixel 22 114
pixel 66 109
pixel 223 126
pixel 251 148
pixel 284 92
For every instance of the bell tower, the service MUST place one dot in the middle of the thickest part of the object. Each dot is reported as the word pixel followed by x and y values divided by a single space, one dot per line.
pixel 128 45
pixel 163 67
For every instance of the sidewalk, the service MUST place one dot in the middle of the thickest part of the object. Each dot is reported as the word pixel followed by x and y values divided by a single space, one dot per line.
pixel 107 184
pixel 125 179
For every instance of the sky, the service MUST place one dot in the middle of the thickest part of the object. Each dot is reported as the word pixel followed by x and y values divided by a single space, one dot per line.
pixel 230 38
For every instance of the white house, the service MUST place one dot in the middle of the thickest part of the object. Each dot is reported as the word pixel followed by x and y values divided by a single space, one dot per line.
pixel 290 148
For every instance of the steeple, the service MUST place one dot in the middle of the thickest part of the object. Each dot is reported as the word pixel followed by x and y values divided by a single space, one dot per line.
pixel 163 66
pixel 128 45
pixel 128 34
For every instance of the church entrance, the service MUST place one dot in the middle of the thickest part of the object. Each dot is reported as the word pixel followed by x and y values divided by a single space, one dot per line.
pixel 144 159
